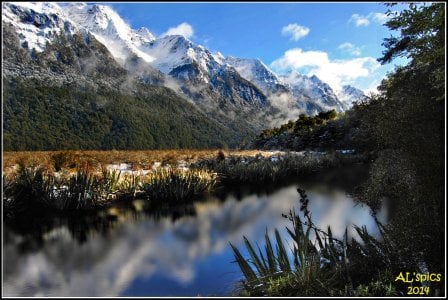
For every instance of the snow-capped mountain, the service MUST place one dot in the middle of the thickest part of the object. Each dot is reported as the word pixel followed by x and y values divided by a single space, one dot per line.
pixel 315 94
pixel 111 30
pixel 201 74
pixel 254 70
pixel 173 51
pixel 37 23
pixel 173 55
pixel 309 94
pixel 350 94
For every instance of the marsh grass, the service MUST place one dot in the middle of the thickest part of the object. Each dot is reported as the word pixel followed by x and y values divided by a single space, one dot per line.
pixel 261 169
pixel 177 185
pixel 34 189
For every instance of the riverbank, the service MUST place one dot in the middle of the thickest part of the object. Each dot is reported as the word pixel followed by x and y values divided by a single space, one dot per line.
pixel 68 181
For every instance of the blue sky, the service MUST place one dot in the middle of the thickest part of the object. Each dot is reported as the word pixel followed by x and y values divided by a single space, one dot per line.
pixel 338 42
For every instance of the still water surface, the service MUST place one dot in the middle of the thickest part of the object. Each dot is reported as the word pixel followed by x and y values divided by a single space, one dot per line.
pixel 182 254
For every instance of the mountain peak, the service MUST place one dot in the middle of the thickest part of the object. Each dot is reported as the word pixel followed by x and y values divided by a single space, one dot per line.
pixel 219 57
pixel 350 94
pixel 254 70
pixel 38 7
pixel 100 19
pixel 111 30
pixel 173 55
pixel 144 31
pixel 312 89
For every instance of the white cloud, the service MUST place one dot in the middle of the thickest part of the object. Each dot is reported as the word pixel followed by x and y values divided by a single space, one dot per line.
pixel 380 18
pixel 296 58
pixel 350 48
pixel 183 29
pixel 334 72
pixel 296 31
pixel 359 20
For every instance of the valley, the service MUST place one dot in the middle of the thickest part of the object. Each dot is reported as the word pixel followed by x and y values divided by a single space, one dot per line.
pixel 238 153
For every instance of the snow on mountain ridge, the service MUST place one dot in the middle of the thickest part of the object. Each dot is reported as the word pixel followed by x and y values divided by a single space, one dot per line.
pixel 173 51
pixel 173 55
pixel 350 94
pixel 37 23
pixel 312 88
pixel 219 57
pixel 254 70
pixel 111 30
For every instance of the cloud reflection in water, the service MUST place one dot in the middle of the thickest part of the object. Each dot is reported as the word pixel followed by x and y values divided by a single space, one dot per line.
pixel 154 250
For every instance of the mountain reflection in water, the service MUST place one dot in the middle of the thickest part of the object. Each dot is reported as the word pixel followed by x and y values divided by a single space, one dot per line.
pixel 144 254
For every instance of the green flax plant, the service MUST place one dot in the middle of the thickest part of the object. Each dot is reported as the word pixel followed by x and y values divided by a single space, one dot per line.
pixel 307 269
pixel 325 266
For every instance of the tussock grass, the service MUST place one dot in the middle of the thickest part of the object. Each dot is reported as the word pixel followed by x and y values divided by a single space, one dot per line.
pixel 37 189
pixel 177 185
pixel 34 189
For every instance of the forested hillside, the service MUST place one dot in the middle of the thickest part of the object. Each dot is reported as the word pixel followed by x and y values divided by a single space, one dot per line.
pixel 45 117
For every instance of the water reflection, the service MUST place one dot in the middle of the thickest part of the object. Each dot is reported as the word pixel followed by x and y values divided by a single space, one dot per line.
pixel 132 253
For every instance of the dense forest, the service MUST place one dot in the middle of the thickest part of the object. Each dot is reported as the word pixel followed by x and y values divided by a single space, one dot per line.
pixel 47 117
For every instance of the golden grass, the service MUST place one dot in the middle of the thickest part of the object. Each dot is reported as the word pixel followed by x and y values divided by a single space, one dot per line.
pixel 96 159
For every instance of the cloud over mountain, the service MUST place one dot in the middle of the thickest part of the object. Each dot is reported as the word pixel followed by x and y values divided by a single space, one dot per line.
pixel 335 72
pixel 184 29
